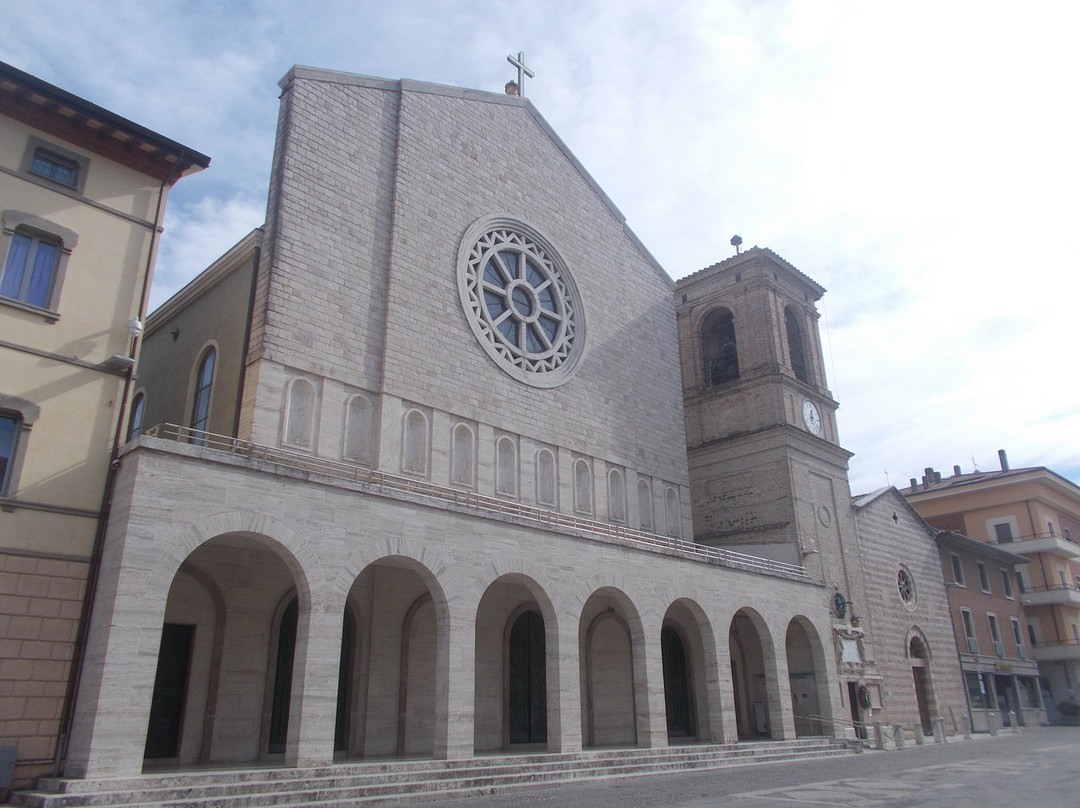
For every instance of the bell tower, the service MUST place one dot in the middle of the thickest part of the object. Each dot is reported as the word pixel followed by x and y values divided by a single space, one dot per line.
pixel 767 473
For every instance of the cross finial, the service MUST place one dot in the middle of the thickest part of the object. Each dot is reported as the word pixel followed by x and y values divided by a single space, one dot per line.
pixel 522 71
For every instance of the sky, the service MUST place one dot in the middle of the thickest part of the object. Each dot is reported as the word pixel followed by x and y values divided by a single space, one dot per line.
pixel 919 160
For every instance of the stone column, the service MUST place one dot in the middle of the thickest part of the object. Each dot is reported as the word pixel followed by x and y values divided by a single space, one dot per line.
pixel 564 687
pixel 651 718
pixel 455 687
pixel 316 666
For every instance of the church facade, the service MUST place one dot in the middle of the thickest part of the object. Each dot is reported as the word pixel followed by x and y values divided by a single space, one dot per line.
pixel 440 462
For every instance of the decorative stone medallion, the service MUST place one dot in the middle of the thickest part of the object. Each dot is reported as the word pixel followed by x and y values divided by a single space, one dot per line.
pixel 520 301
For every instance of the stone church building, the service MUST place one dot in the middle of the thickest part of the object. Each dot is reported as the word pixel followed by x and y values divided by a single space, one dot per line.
pixel 440 462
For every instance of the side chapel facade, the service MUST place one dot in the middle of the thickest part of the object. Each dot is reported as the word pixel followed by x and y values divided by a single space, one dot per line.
pixel 457 468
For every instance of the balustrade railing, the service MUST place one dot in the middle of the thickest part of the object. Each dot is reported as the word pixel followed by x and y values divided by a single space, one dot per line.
pixel 399 483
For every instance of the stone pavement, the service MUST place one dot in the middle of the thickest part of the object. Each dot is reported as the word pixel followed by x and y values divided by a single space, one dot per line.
pixel 1037 768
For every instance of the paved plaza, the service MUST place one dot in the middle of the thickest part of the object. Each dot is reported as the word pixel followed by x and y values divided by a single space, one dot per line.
pixel 1036 768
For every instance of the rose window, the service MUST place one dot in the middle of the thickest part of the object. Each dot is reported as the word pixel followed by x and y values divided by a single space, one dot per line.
pixel 521 302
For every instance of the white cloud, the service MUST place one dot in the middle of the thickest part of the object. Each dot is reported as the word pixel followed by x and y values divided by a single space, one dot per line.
pixel 917 159
pixel 196 235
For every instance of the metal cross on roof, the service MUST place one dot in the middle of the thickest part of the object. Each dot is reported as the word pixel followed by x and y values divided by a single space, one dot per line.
pixel 523 71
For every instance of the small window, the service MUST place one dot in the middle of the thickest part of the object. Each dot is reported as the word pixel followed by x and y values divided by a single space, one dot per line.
pixel 55 167
pixel 796 346
pixel 30 269
pixel 984 577
pixel 138 404
pixel 200 402
pixel 957 570
pixel 1006 584
pixel 1020 582
pixel 17 416
pixel 1003 532
pixel 905 586
pixel 718 349
pixel 9 433
pixel 1031 635
pixel 969 631
pixel 47 161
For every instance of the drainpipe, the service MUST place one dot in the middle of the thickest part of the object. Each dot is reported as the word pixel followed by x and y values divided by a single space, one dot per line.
pixel 79 651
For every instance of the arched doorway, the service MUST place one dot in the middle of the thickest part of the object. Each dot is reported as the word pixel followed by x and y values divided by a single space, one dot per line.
pixel 806 673
pixel 748 675
pixel 388 701
pixel 607 633
pixel 919 658
pixel 516 676
pixel 214 698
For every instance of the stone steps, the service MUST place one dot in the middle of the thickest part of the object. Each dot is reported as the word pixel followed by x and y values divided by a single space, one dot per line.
pixel 371 783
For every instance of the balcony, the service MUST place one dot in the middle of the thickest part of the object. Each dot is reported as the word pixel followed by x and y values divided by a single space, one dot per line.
pixel 1065 650
pixel 1043 543
pixel 1057 595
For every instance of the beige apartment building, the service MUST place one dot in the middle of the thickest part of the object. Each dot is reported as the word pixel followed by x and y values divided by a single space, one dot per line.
pixel 1034 513
pixel 82 196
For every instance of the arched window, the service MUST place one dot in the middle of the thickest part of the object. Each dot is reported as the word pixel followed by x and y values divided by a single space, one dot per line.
pixel 298 428
pixel 415 445
pixel 616 496
pixel 644 505
pixel 671 512
pixel 506 467
pixel 200 402
pixel 462 449
pixel 138 405
pixel 545 478
pixel 796 346
pixel 718 350
pixel 360 431
pixel 583 487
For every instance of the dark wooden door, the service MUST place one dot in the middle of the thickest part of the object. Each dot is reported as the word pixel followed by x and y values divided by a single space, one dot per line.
pixel 170 688
pixel 527 680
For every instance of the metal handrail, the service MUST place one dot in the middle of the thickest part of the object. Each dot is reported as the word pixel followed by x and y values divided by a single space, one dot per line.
pixel 394 482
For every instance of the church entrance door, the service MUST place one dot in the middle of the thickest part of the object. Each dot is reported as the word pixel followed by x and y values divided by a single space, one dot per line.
pixel 676 684
pixel 527 680
pixel 170 686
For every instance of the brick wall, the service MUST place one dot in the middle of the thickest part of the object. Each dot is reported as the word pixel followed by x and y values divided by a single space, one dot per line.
pixel 40 602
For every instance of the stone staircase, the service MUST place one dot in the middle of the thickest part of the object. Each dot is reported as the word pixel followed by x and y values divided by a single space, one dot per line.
pixel 385 782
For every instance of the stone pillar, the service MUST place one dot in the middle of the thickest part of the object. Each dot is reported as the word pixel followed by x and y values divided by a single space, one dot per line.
pixel 879 735
pixel 920 738
pixel 313 707
pixel 939 730
pixel 781 713
pixel 722 711
pixel 564 687
pixel 965 721
pixel 1014 721
pixel 455 688
pixel 992 721
pixel 113 708
pixel 651 718
pixel 898 735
